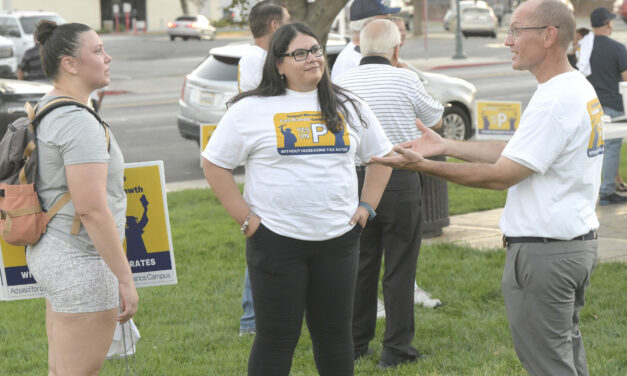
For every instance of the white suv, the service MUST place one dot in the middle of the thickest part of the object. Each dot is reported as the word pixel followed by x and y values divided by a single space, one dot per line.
pixel 20 26
pixel 8 62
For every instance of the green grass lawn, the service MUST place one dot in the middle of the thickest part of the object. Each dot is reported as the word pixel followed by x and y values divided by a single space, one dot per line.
pixel 192 328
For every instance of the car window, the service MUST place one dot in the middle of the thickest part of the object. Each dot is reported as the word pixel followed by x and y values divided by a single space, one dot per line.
pixel 186 18
pixel 29 23
pixel 8 24
pixel 218 68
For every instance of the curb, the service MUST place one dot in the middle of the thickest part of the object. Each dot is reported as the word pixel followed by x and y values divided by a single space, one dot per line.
pixel 468 65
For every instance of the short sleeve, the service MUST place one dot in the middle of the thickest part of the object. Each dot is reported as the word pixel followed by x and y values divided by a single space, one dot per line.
pixel 226 147
pixel 622 59
pixel 78 135
pixel 427 109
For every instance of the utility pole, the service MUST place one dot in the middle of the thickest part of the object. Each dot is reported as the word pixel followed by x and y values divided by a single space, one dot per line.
pixel 459 49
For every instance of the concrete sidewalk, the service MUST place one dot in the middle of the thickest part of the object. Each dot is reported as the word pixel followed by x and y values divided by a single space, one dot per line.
pixel 481 230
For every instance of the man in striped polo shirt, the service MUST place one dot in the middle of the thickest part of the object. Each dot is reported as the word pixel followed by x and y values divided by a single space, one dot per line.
pixel 397 98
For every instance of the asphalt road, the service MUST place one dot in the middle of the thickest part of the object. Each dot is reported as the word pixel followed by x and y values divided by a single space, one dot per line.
pixel 150 70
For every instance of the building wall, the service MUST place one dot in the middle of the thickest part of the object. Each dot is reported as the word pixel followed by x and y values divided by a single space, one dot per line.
pixel 83 11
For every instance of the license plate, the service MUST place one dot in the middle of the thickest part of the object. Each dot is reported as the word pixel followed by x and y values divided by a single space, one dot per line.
pixel 204 98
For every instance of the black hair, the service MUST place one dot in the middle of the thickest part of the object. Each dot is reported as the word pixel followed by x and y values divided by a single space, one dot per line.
pixel 332 98
pixel 582 31
pixel 56 41
pixel 261 15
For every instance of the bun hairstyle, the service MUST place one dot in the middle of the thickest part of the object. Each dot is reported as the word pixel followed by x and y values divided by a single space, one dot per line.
pixel 56 41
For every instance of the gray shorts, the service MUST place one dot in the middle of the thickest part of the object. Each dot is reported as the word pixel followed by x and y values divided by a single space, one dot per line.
pixel 73 280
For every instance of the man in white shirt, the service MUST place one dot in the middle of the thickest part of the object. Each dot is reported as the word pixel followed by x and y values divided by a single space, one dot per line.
pixel 397 97
pixel 264 19
pixel 361 12
pixel 552 167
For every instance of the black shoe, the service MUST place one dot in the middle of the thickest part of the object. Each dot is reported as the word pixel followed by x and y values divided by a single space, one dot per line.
pixel 612 199
pixel 390 360
pixel 361 353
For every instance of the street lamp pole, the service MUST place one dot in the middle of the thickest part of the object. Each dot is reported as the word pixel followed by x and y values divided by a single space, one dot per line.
pixel 459 49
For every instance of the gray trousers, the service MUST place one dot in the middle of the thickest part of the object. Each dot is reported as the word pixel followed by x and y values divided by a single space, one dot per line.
pixel 543 286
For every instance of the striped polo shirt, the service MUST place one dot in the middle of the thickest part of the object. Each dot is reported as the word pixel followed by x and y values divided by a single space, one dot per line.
pixel 395 95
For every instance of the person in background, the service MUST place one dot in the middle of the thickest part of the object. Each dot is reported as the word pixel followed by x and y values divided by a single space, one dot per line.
pixel 300 212
pixel 84 274
pixel 573 56
pixel 397 98
pixel 551 167
pixel 361 12
pixel 608 67
pixel 264 19
pixel 30 67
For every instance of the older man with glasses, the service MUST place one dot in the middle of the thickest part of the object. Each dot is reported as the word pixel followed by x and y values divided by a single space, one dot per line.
pixel 552 168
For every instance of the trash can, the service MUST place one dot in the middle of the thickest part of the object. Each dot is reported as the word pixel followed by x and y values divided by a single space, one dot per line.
pixel 434 204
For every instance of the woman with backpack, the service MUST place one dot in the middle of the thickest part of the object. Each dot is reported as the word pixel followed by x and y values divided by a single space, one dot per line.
pixel 83 270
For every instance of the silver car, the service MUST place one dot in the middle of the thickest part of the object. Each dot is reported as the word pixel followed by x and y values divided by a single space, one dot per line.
pixel 214 81
pixel 185 27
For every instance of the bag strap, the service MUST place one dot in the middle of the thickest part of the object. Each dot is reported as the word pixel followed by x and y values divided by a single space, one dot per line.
pixel 36 115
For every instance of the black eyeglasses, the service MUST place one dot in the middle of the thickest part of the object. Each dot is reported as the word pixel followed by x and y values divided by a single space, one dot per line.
pixel 301 53
pixel 515 31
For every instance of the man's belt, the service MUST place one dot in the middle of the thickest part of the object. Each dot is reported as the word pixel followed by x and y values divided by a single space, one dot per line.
pixel 532 239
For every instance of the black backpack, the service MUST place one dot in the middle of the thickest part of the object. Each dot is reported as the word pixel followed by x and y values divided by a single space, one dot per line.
pixel 22 220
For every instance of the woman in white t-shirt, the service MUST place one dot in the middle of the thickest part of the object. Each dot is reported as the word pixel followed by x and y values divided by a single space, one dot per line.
pixel 297 135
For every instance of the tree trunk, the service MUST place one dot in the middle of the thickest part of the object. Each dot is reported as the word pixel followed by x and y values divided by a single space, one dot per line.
pixel 184 7
pixel 318 15
pixel 418 15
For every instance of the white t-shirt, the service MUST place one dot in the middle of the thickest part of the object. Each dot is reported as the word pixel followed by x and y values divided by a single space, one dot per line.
pixel 348 59
pixel 300 177
pixel 560 138
pixel 250 68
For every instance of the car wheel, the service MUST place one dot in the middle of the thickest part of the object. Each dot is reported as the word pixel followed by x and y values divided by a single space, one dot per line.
pixel 455 123
pixel 465 34
pixel 184 38
pixel 494 34
pixel 172 38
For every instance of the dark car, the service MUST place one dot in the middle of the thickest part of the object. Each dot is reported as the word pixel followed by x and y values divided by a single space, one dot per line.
pixel 13 95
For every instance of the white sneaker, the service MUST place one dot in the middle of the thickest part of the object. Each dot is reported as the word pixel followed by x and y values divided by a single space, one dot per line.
pixel 380 309
pixel 424 299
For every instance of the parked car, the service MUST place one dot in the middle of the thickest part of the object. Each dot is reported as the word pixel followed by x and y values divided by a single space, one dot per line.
pixel 185 27
pixel 479 21
pixel 13 95
pixel 450 17
pixel 406 13
pixel 8 62
pixel 214 81
pixel 20 26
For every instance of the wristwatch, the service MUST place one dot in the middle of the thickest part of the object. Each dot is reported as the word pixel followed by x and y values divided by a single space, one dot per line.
pixel 370 210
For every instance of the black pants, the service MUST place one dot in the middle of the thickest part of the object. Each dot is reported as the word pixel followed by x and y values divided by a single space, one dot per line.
pixel 396 232
pixel 290 278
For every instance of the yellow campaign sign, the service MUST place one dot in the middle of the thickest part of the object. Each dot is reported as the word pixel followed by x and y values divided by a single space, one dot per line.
pixel 497 119
pixel 13 255
pixel 148 242
pixel 206 131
